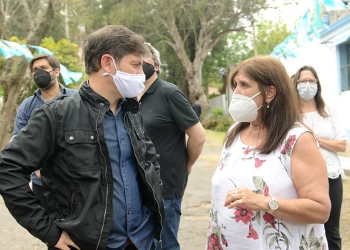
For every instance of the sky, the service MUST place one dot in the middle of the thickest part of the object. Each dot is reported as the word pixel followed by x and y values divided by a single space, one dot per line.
pixel 289 13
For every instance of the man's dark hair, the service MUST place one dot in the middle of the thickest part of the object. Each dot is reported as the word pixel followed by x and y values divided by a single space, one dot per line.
pixel 115 40
pixel 53 61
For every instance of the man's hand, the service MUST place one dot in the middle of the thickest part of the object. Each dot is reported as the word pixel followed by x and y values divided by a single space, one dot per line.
pixel 65 242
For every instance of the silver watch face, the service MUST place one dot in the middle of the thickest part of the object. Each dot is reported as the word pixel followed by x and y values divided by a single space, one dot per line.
pixel 273 204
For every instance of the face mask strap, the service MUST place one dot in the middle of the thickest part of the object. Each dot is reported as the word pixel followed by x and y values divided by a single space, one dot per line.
pixel 255 95
pixel 115 66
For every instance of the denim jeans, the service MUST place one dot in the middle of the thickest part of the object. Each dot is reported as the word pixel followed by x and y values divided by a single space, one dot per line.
pixel 172 208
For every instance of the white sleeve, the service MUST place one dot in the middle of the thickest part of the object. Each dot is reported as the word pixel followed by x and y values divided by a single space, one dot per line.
pixel 337 126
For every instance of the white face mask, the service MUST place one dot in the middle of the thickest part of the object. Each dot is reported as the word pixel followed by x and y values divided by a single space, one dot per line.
pixel 306 90
pixel 243 108
pixel 129 85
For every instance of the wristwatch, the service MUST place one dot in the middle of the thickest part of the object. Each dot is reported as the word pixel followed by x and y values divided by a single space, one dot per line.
pixel 273 205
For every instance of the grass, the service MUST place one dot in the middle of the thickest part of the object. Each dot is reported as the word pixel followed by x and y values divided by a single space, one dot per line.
pixel 218 137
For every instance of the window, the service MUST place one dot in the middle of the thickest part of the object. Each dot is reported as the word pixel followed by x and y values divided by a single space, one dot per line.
pixel 344 52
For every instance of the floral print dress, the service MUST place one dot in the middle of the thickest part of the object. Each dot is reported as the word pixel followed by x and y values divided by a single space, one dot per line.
pixel 266 174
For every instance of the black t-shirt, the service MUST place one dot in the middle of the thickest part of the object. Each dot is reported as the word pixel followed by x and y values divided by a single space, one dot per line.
pixel 167 114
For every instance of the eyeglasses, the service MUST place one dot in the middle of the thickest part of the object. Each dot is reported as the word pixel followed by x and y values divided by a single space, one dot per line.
pixel 311 81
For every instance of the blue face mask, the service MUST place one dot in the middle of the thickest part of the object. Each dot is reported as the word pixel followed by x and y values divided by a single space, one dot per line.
pixel 128 85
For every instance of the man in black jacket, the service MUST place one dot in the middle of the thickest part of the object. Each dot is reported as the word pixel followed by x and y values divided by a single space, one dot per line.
pixel 98 166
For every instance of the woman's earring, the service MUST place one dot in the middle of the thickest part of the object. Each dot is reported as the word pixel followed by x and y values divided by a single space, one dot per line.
pixel 268 105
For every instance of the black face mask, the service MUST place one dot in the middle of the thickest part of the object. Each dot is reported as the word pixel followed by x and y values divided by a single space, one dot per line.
pixel 42 78
pixel 148 69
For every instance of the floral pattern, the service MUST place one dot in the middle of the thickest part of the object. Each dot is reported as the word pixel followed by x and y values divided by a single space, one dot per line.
pixel 243 214
pixel 244 228
pixel 250 153
pixel 214 243
pixel 224 160
pixel 288 145
pixel 252 233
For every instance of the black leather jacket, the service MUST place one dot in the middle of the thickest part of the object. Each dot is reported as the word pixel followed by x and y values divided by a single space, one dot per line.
pixel 65 138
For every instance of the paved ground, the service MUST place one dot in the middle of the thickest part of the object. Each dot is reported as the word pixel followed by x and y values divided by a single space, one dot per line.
pixel 196 202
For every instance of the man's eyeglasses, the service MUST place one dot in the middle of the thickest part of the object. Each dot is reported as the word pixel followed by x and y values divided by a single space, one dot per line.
pixel 311 81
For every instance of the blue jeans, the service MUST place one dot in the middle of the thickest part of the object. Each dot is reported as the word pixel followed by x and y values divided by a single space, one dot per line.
pixel 172 208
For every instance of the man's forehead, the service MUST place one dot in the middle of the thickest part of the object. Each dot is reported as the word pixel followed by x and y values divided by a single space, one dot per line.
pixel 40 63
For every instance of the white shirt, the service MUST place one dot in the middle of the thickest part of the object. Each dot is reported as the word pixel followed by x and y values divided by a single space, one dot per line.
pixel 329 128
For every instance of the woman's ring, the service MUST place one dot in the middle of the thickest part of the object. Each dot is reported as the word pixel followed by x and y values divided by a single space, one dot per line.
pixel 235 191
pixel 72 243
pixel 239 201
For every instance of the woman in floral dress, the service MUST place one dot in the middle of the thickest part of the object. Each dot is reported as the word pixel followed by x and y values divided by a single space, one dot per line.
pixel 331 136
pixel 270 189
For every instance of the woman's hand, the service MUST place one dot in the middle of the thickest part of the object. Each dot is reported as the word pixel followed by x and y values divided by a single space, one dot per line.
pixel 243 196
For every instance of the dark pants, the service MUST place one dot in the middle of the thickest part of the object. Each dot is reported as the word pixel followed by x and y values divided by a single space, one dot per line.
pixel 39 194
pixel 131 247
pixel 332 225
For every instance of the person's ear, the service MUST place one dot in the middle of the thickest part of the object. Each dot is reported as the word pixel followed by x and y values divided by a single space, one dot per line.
pixel 57 72
pixel 107 63
pixel 156 68
pixel 270 94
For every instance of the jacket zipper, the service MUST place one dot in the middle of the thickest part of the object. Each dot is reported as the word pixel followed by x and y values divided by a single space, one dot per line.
pixel 160 215
pixel 105 212
pixel 71 207
pixel 71 204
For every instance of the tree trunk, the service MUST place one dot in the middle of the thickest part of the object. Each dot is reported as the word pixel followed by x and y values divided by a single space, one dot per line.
pixel 196 89
pixel 194 77
pixel 16 79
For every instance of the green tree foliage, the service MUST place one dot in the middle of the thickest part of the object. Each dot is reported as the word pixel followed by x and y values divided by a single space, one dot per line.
pixel 217 120
pixel 190 28
pixel 269 35
pixel 238 46
pixel 15 17
pixel 65 51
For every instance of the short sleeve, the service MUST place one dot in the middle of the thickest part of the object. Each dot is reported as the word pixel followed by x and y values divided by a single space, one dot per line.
pixel 181 111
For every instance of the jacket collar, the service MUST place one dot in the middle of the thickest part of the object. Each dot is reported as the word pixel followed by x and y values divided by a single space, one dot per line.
pixel 94 99
pixel 97 100
pixel 63 90
pixel 153 86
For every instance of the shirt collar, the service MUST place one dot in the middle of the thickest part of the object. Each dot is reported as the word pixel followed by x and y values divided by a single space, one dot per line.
pixel 38 91
pixel 153 86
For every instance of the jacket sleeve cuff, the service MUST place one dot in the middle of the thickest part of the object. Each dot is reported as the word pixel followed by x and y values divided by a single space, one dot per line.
pixel 53 236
